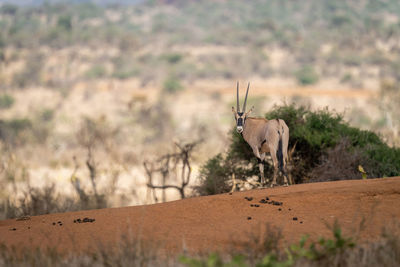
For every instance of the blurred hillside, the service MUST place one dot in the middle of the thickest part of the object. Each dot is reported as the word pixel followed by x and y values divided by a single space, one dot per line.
pixel 355 42
pixel 136 77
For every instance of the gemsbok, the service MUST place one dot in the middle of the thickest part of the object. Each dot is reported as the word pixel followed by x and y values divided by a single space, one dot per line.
pixel 264 136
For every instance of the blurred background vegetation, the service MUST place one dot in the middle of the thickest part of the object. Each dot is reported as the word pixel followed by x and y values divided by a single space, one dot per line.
pixel 91 89
pixel 342 39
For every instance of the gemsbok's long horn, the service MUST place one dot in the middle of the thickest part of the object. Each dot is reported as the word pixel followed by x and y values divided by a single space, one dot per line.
pixel 237 98
pixel 245 99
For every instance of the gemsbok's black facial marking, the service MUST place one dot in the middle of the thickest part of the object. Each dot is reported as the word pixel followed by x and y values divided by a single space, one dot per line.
pixel 240 119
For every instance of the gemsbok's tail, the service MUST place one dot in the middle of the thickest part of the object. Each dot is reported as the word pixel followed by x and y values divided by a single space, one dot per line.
pixel 279 152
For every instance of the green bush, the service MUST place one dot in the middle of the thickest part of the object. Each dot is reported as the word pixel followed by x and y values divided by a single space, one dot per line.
pixel 30 74
pixel 172 58
pixel 307 76
pixel 97 71
pixel 346 78
pixel 14 131
pixel 123 74
pixel 8 9
pixel 213 176
pixel 124 67
pixel 64 22
pixel 172 84
pixel 6 101
pixel 340 20
pixel 46 115
pixel 316 133
pixel 218 170
pixel 20 131
pixel 327 148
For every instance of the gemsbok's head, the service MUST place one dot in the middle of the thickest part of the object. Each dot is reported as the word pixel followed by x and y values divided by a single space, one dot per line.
pixel 240 116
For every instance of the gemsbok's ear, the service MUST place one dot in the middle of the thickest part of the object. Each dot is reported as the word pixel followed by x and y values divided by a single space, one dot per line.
pixel 233 110
pixel 250 111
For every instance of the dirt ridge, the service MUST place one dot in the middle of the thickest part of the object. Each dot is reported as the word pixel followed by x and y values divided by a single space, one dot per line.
pixel 214 223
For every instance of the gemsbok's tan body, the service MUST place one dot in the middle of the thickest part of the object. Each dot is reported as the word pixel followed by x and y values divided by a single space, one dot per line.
pixel 264 136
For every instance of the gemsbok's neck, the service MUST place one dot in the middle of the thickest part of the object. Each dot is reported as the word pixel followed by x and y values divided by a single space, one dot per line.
pixel 247 128
pixel 252 125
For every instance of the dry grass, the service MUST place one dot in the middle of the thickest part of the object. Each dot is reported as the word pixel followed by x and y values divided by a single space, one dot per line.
pixel 130 252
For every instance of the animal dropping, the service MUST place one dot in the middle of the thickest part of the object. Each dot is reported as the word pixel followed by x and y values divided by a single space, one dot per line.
pixel 84 220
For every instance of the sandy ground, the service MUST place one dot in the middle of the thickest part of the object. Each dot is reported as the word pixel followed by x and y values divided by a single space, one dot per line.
pixel 216 222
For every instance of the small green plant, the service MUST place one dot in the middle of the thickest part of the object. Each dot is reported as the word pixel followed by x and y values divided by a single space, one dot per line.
pixel 340 20
pixel 15 131
pixel 46 114
pixel 64 22
pixel 172 84
pixel 125 73
pixel 31 73
pixel 321 249
pixel 346 78
pixel 97 71
pixel 6 101
pixel 173 58
pixel 213 260
pixel 307 76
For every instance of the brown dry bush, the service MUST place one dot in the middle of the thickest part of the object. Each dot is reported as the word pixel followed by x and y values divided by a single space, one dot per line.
pixel 169 168
pixel 131 251
pixel 267 239
pixel 339 163
pixel 37 201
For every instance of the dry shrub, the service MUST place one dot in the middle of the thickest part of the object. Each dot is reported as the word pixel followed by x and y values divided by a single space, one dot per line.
pixel 267 239
pixel 38 201
pixel 131 251
pixel 339 163
pixel 166 168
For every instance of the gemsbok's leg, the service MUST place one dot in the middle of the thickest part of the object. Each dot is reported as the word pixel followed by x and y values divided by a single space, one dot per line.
pixel 275 162
pixel 285 176
pixel 233 183
pixel 260 165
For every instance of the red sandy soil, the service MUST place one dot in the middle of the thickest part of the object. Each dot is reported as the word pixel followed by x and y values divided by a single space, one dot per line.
pixel 216 222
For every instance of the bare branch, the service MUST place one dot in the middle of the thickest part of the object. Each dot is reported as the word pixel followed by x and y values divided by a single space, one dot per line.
pixel 166 166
